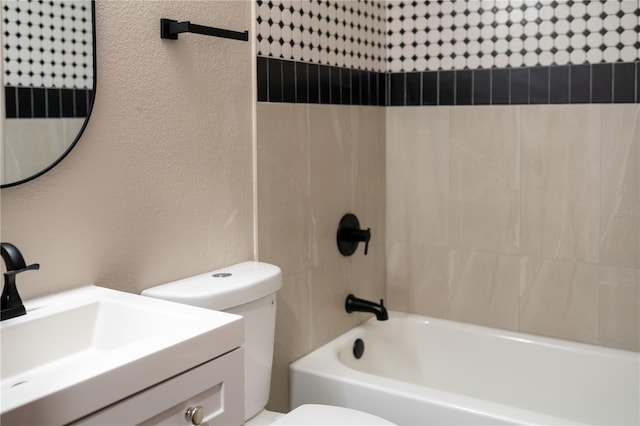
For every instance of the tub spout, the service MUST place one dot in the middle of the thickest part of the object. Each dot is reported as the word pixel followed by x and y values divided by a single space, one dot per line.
pixel 353 304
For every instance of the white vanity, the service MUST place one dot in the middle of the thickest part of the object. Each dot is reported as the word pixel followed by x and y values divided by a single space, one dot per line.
pixel 97 356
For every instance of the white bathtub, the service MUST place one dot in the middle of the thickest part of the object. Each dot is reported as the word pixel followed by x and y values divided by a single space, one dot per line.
pixel 417 370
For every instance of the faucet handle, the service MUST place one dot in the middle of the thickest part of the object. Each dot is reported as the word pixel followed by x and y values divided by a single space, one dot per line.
pixel 10 302
pixel 366 242
pixel 32 267
pixel 350 235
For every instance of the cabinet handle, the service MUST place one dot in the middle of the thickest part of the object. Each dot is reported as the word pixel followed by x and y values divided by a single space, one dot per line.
pixel 194 415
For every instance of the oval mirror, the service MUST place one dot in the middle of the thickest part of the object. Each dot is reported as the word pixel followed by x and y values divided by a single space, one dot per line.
pixel 49 76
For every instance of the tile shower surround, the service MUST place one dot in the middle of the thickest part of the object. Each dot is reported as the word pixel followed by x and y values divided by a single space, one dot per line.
pixel 430 35
pixel 523 218
pixel 450 52
pixel 298 82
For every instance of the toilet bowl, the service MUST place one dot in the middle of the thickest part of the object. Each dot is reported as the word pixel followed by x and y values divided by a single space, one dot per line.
pixel 249 289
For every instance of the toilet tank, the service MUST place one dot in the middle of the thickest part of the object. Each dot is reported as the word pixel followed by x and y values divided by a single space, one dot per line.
pixel 247 289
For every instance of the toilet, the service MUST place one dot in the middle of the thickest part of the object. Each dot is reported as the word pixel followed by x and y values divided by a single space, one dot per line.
pixel 249 289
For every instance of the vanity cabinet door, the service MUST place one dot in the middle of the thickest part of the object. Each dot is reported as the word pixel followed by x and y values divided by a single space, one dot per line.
pixel 214 390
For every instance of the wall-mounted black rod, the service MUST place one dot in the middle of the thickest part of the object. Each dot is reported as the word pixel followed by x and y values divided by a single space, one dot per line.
pixel 170 29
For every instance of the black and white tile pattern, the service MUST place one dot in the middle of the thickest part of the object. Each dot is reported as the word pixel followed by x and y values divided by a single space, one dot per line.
pixel 472 34
pixel 47 44
pixel 430 35
pixel 343 33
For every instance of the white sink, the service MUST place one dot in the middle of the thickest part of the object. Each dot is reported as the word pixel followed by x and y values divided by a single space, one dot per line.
pixel 79 351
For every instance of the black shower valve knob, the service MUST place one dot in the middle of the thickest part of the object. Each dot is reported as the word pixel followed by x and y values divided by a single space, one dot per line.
pixel 350 235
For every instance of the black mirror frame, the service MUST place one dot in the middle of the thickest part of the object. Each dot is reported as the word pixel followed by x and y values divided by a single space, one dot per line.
pixel 86 119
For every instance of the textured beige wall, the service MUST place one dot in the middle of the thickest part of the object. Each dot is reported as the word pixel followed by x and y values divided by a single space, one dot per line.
pixel 523 217
pixel 316 163
pixel 160 185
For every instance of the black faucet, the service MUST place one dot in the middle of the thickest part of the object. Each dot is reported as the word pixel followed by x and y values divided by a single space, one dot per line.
pixel 353 304
pixel 10 300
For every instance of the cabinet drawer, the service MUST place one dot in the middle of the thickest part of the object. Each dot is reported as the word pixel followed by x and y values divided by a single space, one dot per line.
pixel 217 386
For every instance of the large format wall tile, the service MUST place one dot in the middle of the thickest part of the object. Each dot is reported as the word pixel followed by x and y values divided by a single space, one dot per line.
pixel 331 171
pixel 484 288
pixel 283 187
pixel 316 163
pixel 620 186
pixel 559 298
pixel 560 182
pixel 619 308
pixel 578 170
pixel 484 209
pixel 369 197
pixel 418 279
pixel 418 175
pixel 292 338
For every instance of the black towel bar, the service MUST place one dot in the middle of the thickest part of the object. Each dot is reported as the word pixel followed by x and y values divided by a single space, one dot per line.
pixel 169 29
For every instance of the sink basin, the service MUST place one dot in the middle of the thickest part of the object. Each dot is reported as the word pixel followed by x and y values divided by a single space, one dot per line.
pixel 79 351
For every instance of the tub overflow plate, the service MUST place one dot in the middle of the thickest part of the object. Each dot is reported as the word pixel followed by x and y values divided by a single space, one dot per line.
pixel 358 348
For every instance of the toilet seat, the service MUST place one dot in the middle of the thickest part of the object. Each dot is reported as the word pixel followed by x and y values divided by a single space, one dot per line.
pixel 315 414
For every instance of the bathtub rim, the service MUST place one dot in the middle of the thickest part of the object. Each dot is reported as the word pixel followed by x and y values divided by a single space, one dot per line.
pixel 324 362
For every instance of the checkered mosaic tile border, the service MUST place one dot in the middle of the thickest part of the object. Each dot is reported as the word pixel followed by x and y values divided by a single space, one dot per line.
pixel 47 44
pixel 342 33
pixel 473 34
pixel 430 35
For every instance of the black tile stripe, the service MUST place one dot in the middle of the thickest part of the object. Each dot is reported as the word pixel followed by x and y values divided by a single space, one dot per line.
pixel 288 81
pixel 500 86
pixel 373 89
pixel 355 87
pixel 302 83
pixel 413 88
pixel 559 85
pixel 262 76
pixel 80 103
pixel 53 103
pixel 579 84
pixel 383 98
pixel 24 102
pixel 464 87
pixel 336 85
pixel 275 80
pixel 397 89
pixel 324 84
pixel 345 85
pixel 539 85
pixel 41 102
pixel 482 87
pixel 447 88
pixel 429 88
pixel 11 102
pixel 597 83
pixel 602 83
pixel 67 101
pixel 39 98
pixel 313 75
pixel 519 86
pixel 638 81
pixel 623 80
pixel 365 95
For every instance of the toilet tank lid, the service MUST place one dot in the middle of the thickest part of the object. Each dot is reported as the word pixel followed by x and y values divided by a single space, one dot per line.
pixel 223 288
